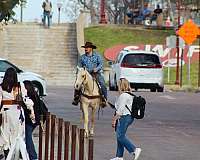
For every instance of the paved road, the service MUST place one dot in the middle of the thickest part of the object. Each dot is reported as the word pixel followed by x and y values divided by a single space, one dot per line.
pixel 170 130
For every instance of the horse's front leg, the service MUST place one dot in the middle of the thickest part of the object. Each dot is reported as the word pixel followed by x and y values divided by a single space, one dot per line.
pixel 92 121
pixel 85 116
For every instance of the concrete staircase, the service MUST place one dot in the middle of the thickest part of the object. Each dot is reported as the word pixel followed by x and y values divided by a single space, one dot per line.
pixel 49 52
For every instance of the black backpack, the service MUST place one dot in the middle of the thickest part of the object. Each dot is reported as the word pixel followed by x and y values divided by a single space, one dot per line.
pixel 138 106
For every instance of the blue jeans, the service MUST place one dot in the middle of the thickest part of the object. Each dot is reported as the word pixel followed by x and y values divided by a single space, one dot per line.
pixel 102 83
pixel 29 141
pixel 46 14
pixel 122 141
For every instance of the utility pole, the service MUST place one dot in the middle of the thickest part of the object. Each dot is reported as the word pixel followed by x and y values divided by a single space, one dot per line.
pixel 102 13
pixel 177 45
pixel 21 12
pixel 199 63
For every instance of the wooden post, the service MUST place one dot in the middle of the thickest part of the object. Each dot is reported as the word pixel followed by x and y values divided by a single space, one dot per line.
pixel 73 147
pixel 66 149
pixel 47 136
pixel 81 144
pixel 60 128
pixel 90 149
pixel 53 117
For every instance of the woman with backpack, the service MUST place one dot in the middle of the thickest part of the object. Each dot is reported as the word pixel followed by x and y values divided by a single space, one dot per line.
pixel 122 120
pixel 30 125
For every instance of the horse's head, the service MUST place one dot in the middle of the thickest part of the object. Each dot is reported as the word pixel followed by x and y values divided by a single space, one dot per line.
pixel 81 78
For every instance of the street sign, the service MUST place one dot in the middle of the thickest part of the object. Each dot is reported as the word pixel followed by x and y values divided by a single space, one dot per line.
pixel 189 32
pixel 171 42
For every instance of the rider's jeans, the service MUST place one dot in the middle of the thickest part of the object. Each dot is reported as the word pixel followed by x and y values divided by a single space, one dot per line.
pixel 122 140
pixel 100 79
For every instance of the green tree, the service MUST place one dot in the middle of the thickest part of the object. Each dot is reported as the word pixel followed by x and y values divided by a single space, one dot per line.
pixel 6 8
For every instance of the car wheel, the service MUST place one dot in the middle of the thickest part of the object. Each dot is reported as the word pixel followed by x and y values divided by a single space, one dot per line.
pixel 160 89
pixel 153 89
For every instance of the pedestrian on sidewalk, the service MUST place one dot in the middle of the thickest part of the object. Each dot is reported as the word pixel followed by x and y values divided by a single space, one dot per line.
pixel 122 120
pixel 30 125
pixel 47 7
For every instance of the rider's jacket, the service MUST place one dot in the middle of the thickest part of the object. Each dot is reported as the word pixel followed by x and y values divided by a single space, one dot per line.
pixel 91 62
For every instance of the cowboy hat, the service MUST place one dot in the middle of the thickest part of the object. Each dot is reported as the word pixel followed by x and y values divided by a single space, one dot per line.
pixel 89 45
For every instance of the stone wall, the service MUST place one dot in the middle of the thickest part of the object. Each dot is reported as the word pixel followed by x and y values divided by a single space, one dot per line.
pixel 49 52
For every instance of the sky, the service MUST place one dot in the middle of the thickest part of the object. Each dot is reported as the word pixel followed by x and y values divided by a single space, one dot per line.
pixel 33 11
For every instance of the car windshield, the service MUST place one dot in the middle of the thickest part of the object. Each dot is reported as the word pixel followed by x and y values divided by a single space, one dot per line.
pixel 141 59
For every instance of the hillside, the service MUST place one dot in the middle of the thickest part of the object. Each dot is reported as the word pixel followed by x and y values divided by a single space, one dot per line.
pixel 108 36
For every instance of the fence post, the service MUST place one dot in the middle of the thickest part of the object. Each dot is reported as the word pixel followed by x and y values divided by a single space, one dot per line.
pixel 90 148
pixel 73 149
pixel 47 136
pixel 53 117
pixel 81 144
pixel 66 149
pixel 60 128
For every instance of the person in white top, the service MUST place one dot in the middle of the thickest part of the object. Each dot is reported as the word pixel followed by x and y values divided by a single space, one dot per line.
pixel 12 128
pixel 122 120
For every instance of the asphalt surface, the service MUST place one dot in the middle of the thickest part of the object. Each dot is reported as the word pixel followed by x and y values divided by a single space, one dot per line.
pixel 169 131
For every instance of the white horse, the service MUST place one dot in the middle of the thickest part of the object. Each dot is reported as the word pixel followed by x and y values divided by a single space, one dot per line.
pixel 90 97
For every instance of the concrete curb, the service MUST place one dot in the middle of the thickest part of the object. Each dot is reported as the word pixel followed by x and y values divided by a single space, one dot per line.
pixel 176 88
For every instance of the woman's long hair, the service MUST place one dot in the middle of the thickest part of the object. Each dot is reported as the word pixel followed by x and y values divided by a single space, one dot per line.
pixel 9 80
pixel 32 94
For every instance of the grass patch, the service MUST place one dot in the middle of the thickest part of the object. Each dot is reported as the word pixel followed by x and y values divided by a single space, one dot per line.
pixel 193 75
pixel 108 36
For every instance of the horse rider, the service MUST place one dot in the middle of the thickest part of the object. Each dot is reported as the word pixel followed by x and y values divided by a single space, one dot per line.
pixel 93 62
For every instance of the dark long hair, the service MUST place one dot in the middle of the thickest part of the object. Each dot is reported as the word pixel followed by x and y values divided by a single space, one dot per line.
pixel 32 94
pixel 9 80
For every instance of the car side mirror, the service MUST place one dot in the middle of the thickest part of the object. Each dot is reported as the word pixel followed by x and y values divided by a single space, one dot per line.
pixel 110 63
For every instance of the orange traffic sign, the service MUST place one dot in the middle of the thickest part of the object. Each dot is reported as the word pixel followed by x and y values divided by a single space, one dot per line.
pixel 189 32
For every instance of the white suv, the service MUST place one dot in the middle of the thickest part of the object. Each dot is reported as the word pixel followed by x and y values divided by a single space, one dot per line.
pixel 142 69
pixel 38 81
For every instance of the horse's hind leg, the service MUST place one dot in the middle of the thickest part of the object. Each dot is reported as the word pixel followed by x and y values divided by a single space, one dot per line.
pixel 85 114
pixel 92 122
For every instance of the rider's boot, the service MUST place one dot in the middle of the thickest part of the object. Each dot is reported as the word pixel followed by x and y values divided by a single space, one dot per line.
pixel 76 99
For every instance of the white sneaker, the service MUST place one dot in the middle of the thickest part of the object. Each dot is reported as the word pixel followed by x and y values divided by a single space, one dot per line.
pixel 117 158
pixel 137 153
